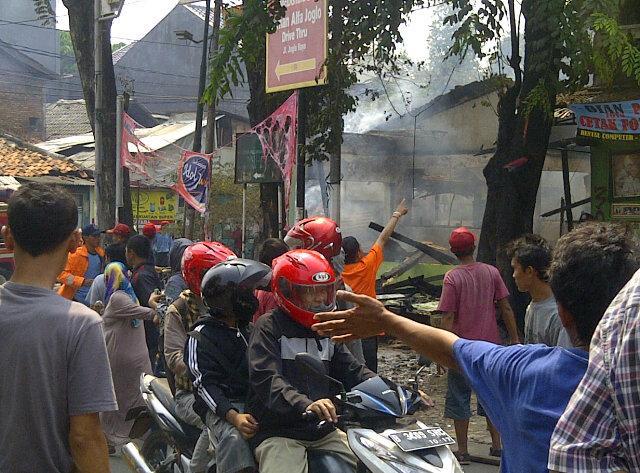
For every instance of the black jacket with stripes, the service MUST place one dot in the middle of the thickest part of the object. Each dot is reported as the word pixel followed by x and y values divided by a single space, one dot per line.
pixel 216 356
pixel 280 392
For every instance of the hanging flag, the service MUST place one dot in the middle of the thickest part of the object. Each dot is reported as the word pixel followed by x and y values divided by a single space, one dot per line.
pixel 194 174
pixel 157 169
pixel 278 136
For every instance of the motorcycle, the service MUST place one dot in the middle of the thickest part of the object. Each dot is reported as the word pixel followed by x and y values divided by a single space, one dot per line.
pixel 169 442
pixel 368 414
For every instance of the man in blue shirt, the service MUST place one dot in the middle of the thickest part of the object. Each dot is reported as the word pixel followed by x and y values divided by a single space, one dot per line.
pixel 523 388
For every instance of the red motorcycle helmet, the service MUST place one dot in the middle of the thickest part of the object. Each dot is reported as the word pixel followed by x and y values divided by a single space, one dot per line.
pixel 316 233
pixel 199 258
pixel 304 284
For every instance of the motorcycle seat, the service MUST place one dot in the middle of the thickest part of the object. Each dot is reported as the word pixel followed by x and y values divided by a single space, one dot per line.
pixel 163 393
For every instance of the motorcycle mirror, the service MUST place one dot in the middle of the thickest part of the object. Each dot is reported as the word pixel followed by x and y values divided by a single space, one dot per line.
pixel 416 379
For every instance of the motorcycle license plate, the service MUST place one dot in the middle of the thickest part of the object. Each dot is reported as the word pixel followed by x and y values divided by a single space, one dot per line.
pixel 411 440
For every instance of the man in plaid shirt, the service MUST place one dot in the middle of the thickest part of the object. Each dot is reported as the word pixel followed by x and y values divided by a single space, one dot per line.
pixel 598 431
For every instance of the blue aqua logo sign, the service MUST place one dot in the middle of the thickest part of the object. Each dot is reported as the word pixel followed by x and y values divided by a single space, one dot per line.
pixel 195 176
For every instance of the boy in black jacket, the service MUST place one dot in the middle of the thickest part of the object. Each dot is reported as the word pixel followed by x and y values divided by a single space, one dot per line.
pixel 303 283
pixel 216 355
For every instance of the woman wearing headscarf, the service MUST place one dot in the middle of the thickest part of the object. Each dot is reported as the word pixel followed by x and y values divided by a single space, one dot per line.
pixel 127 349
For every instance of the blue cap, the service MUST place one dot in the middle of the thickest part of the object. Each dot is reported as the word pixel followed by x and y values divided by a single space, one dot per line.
pixel 91 230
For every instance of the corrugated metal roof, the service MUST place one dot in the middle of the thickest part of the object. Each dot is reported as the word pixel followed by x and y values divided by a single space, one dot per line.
pixel 165 134
pixel 61 144
pixel 9 182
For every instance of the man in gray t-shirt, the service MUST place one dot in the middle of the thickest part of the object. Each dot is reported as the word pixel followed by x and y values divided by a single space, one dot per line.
pixel 530 259
pixel 55 378
pixel 542 324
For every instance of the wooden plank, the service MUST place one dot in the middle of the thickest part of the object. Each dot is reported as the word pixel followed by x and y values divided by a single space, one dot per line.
pixel 429 250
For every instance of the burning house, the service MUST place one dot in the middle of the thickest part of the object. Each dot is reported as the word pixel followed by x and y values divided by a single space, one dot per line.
pixel 434 157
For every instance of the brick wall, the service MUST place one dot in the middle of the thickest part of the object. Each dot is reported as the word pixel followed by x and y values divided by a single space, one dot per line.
pixel 21 109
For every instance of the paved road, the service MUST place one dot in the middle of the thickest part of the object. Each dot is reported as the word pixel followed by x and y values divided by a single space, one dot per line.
pixel 120 466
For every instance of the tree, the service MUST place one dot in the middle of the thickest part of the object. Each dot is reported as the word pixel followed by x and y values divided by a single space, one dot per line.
pixel 558 37
pixel 67 57
pixel 364 35
pixel 81 29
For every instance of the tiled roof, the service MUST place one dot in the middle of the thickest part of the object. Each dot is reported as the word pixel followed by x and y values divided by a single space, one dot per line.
pixel 66 118
pixel 21 160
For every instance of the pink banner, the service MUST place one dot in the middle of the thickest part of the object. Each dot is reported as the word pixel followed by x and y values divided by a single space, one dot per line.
pixel 278 135
pixel 194 174
pixel 157 169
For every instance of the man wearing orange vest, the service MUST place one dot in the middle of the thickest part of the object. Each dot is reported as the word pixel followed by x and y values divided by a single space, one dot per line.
pixel 82 266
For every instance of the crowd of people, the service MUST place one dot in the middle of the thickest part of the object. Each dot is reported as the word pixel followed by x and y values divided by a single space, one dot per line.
pixel 225 331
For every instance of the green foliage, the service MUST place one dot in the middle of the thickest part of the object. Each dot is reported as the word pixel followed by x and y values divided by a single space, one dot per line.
pixel 116 46
pixel 538 99
pixel 228 197
pixel 615 50
pixel 67 55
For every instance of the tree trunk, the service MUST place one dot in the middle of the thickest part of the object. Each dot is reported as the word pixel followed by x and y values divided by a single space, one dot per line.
pixel 260 107
pixel 523 133
pixel 81 26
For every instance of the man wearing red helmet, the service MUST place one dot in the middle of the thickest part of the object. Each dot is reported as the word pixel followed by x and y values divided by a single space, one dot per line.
pixel 323 235
pixel 316 233
pixel 197 259
pixel 470 293
pixel 304 284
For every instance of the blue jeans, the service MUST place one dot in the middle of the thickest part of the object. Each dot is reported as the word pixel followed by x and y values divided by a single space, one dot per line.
pixel 457 405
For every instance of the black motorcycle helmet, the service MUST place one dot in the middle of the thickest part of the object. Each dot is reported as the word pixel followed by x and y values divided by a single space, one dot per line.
pixel 229 287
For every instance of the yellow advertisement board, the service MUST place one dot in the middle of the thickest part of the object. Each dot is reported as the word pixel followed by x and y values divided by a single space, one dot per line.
pixel 151 204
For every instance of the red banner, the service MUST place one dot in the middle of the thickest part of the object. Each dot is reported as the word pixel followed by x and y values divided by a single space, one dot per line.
pixel 194 175
pixel 278 135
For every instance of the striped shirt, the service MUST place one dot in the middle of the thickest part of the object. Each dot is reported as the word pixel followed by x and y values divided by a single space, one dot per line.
pixel 598 431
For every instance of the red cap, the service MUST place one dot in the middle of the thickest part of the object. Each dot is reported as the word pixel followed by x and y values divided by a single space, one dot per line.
pixel 120 229
pixel 149 230
pixel 461 240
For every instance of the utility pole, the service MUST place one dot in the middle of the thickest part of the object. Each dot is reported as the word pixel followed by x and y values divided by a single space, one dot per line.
pixel 99 105
pixel 197 136
pixel 335 159
pixel 301 163
pixel 119 173
pixel 210 140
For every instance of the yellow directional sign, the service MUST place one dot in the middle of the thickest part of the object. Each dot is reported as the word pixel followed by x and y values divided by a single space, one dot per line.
pixel 297 66
pixel 297 51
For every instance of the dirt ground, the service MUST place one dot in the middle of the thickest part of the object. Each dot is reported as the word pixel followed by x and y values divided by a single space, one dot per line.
pixel 397 362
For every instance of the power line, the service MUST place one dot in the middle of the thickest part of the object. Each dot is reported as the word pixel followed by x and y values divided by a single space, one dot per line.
pixel 49 54
pixel 133 40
